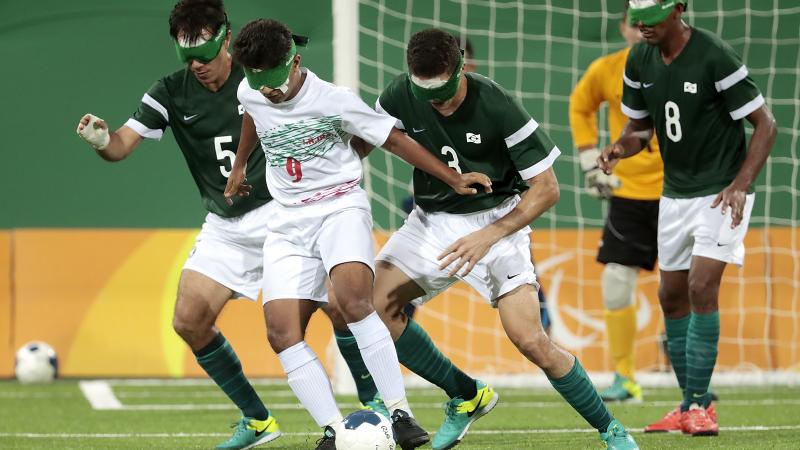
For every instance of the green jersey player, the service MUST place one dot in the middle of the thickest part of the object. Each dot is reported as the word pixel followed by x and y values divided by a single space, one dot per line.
pixel 472 124
pixel 692 89
pixel 199 103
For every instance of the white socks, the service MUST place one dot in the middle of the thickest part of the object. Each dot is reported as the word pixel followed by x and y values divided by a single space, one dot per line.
pixel 310 383
pixel 380 357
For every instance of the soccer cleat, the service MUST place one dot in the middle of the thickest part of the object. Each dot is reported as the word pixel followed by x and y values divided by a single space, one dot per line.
pixel 249 432
pixel 377 405
pixel 698 422
pixel 617 438
pixel 459 415
pixel 623 389
pixel 671 422
pixel 328 440
pixel 407 432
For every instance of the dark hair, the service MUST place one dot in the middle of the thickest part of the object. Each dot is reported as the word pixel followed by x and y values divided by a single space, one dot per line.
pixel 262 44
pixel 191 17
pixel 432 52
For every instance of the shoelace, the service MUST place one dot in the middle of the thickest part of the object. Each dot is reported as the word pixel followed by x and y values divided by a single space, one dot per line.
pixel 240 426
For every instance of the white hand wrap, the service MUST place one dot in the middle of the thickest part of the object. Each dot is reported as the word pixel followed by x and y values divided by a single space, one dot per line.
pixel 94 134
pixel 598 184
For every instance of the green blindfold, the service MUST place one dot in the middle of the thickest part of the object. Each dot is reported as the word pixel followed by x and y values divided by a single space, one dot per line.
pixel 440 93
pixel 204 52
pixel 651 14
pixel 274 78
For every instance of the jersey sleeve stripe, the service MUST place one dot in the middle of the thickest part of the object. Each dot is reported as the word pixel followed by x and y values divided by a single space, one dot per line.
pixel 634 113
pixel 379 108
pixel 541 166
pixel 731 79
pixel 522 134
pixel 747 108
pixel 631 83
pixel 153 103
pixel 143 131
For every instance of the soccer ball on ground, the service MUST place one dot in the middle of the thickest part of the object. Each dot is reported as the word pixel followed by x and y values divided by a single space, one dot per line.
pixel 36 362
pixel 365 430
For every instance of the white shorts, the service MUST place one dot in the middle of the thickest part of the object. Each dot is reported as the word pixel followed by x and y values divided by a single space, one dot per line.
pixel 306 242
pixel 414 249
pixel 230 251
pixel 690 227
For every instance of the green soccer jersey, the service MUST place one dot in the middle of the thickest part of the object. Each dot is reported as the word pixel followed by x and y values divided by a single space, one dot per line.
pixel 490 133
pixel 697 104
pixel 206 126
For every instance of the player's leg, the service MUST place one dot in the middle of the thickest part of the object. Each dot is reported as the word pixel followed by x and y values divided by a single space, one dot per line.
pixel 286 321
pixel 346 248
pixel 214 272
pixel 367 391
pixel 520 318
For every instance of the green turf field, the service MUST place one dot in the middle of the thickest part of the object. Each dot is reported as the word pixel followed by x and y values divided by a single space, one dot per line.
pixel 194 415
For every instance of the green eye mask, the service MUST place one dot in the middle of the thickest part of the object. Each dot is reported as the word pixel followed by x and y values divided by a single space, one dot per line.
pixel 650 12
pixel 274 78
pixel 426 90
pixel 204 52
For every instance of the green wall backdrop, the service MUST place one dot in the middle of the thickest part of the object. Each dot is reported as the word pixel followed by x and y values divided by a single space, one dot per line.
pixel 62 59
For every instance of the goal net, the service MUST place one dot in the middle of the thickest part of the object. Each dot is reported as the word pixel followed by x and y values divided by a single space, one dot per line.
pixel 537 49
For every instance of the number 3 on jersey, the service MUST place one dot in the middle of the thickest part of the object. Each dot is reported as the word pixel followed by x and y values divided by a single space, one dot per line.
pixel 449 151
pixel 673 122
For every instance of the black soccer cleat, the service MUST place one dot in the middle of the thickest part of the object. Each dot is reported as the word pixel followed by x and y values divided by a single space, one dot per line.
pixel 407 431
pixel 328 440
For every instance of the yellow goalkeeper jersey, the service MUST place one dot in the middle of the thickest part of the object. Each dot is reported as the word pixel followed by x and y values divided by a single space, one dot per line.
pixel 642 175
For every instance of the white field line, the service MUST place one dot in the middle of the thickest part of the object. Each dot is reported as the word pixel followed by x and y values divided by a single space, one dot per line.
pixel 316 433
pixel 101 396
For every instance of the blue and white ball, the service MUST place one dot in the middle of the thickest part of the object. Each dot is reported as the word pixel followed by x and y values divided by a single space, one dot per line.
pixel 36 362
pixel 365 430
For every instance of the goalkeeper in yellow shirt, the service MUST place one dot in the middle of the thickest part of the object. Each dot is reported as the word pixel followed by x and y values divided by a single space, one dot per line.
pixel 633 189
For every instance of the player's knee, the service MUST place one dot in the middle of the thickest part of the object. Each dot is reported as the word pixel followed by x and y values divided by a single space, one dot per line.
pixel 337 320
pixel 619 284
pixel 281 338
pixel 703 292
pixel 535 346
pixel 356 308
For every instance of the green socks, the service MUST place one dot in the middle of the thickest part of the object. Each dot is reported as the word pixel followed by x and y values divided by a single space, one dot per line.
pixel 416 351
pixel 701 357
pixel 349 348
pixel 221 363
pixel 676 346
pixel 578 391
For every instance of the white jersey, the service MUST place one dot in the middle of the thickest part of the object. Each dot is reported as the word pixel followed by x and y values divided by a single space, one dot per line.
pixel 306 140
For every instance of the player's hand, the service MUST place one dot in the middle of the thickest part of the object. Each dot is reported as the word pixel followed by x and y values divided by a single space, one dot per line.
pixel 598 184
pixel 94 130
pixel 610 157
pixel 237 185
pixel 468 251
pixel 732 197
pixel 465 181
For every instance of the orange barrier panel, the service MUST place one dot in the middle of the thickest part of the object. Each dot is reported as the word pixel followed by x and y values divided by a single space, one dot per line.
pixel 6 347
pixel 104 300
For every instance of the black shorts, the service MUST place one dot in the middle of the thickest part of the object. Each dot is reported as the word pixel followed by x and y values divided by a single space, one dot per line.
pixel 631 233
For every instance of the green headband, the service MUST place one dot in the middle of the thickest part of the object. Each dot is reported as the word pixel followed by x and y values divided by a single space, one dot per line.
pixel 651 13
pixel 442 93
pixel 273 78
pixel 204 52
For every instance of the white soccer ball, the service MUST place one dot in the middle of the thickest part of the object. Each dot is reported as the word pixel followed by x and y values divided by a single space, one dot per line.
pixel 365 430
pixel 36 362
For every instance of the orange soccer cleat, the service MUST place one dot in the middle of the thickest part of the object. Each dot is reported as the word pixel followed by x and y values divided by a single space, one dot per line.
pixel 698 422
pixel 671 422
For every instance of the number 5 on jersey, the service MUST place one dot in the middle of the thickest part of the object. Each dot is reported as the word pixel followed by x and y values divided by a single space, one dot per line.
pixel 222 154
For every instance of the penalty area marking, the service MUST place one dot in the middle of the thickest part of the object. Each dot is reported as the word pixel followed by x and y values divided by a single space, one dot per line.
pixel 485 432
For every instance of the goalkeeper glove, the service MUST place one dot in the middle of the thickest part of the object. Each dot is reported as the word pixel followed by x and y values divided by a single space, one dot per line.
pixel 598 184
pixel 94 131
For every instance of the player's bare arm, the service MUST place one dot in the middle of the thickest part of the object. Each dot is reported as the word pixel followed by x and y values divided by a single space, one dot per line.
pixel 541 196
pixel 362 148
pixel 111 146
pixel 247 143
pixel 764 131
pixel 635 137
pixel 416 155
